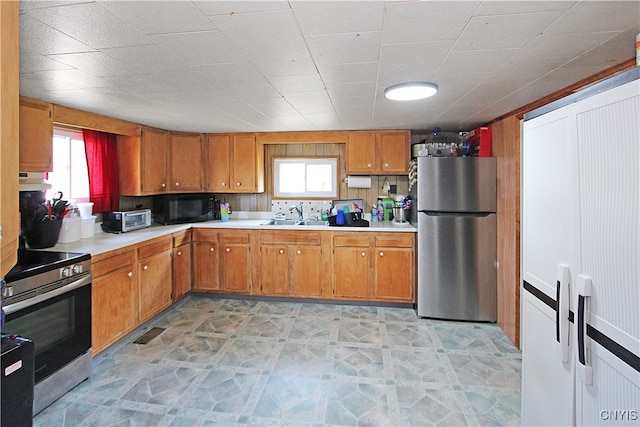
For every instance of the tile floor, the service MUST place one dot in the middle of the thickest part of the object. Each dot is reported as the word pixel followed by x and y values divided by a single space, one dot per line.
pixel 244 362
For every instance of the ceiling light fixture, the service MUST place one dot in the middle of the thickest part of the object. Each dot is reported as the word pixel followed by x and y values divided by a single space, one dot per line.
pixel 410 91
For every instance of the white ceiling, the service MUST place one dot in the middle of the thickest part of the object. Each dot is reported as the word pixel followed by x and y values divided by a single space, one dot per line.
pixel 236 66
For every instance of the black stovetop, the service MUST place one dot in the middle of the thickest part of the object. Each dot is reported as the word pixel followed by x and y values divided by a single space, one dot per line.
pixel 32 262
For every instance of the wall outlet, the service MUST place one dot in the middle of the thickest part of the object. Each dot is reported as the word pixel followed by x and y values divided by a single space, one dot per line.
pixel 393 188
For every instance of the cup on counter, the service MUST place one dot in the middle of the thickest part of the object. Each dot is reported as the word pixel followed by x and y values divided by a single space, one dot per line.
pixel 86 209
pixel 224 212
pixel 340 217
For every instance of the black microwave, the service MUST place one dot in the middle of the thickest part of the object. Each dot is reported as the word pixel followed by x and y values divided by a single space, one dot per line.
pixel 185 208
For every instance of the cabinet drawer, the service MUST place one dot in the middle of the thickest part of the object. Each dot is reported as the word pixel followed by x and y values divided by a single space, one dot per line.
pixel 395 240
pixel 112 263
pixel 205 235
pixel 290 238
pixel 181 238
pixel 154 247
pixel 350 239
pixel 235 236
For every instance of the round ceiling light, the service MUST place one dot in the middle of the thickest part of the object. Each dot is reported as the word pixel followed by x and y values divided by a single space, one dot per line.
pixel 410 91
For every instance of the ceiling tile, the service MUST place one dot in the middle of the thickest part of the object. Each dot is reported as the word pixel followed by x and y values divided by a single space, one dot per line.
pixel 45 40
pixel 318 18
pixel 407 22
pixel 160 17
pixel 200 48
pixel 213 8
pixel 600 15
pixel 427 56
pixel 31 61
pixel 348 73
pixel 95 63
pixel 345 48
pixel 90 23
pixel 148 59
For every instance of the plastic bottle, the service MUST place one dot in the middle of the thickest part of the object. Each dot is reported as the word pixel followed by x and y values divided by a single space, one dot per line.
pixel 374 212
pixel 324 212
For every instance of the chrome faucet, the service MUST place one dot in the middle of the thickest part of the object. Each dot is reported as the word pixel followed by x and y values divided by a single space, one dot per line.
pixel 297 209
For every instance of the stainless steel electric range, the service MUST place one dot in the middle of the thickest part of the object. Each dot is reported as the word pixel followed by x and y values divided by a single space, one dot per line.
pixel 47 299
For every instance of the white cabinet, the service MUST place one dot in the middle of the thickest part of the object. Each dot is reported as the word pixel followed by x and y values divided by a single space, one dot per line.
pixel 580 252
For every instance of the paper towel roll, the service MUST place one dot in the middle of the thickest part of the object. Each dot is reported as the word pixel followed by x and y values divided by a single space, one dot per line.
pixel 358 182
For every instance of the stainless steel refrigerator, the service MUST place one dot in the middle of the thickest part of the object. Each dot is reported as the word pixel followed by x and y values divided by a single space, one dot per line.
pixel 455 205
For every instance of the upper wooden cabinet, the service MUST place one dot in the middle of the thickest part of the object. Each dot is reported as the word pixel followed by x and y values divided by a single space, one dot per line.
pixel 9 204
pixel 158 162
pixel 235 164
pixel 185 162
pixel 36 136
pixel 378 152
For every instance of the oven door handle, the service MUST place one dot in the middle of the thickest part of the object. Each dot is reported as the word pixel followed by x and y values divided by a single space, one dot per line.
pixel 83 281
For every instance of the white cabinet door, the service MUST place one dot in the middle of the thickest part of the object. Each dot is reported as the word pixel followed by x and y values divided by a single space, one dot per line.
pixel 609 158
pixel 550 245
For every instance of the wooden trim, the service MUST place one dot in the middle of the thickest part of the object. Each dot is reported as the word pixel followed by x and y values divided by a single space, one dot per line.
pixel 83 119
pixel 311 137
pixel 520 112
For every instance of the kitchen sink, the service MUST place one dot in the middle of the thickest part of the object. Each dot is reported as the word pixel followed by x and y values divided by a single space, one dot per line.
pixel 293 222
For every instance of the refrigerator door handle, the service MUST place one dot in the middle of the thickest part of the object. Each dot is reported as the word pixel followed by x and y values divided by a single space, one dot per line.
pixel 442 213
pixel 563 279
pixel 584 289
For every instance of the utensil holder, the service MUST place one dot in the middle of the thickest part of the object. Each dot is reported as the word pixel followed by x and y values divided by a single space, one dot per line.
pixel 43 234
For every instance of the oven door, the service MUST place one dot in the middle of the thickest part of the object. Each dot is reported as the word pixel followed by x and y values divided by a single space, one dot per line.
pixel 58 323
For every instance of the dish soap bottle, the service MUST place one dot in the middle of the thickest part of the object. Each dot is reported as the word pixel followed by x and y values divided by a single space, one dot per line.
pixel 324 212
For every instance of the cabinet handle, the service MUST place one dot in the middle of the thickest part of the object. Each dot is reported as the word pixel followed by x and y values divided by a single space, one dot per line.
pixel 179 253
pixel 130 274
pixel 281 251
pixel 211 249
pixel 224 184
pixel 298 251
pixel 368 165
pixel 145 268
pixel 363 254
pixel 386 165
pixel 381 253
pixel 228 250
pixel 238 184
pixel 164 185
pixel 177 184
pixel 563 279
pixel 584 288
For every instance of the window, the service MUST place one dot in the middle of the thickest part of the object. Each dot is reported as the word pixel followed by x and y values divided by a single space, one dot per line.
pixel 69 166
pixel 295 177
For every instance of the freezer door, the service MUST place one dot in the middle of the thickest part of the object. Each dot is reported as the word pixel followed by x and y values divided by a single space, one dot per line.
pixel 457 267
pixel 456 184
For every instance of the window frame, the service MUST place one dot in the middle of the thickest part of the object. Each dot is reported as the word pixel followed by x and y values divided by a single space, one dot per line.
pixel 333 161
pixel 72 134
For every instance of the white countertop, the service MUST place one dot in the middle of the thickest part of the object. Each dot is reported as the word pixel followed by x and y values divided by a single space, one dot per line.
pixel 104 242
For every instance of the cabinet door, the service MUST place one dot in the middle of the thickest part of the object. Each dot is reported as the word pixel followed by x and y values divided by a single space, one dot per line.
pixel 274 270
pixel 609 206
pixel 153 161
pixel 548 243
pixel 393 149
pixel 393 275
pixel 360 153
pixel 236 267
pixel 186 162
pixel 244 163
pixel 154 290
pixel 351 272
pixel 114 307
pixel 206 266
pixel 181 270
pixel 36 137
pixel 218 166
pixel 306 270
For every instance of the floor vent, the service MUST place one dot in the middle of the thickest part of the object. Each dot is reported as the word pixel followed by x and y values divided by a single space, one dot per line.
pixel 149 335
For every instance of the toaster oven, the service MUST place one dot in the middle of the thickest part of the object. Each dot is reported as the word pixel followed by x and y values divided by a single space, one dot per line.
pixel 123 221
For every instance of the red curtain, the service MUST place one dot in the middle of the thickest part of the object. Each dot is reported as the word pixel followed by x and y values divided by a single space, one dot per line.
pixel 102 164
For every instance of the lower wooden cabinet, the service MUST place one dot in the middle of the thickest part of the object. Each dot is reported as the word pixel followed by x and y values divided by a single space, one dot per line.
pixel 374 267
pixel 351 264
pixel 182 265
pixel 222 260
pixel 154 277
pixel 114 297
pixel 292 263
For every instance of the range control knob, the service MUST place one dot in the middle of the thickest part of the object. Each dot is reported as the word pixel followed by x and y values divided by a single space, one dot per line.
pixel 66 272
pixel 77 269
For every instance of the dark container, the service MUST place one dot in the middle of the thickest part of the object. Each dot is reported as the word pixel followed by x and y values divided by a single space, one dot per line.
pixel 43 234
